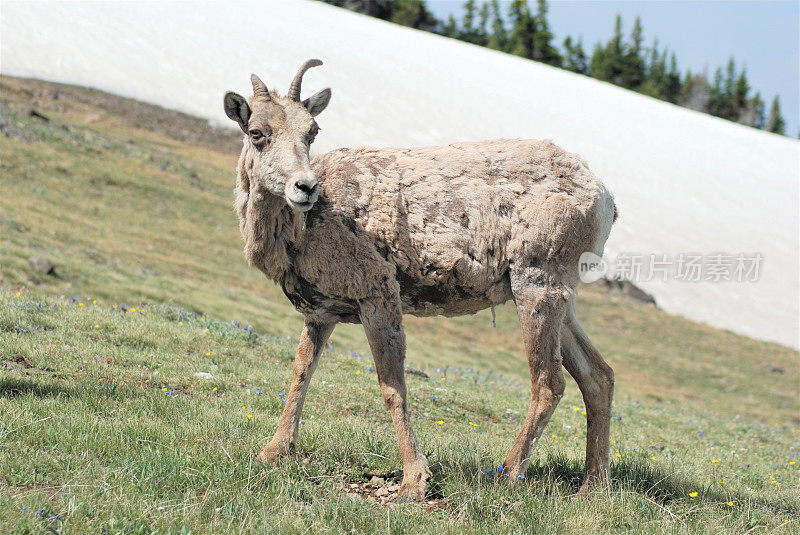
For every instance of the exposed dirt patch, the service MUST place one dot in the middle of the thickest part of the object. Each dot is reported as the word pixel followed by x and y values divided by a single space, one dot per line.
pixel 20 363
pixel 383 489
pixel 40 97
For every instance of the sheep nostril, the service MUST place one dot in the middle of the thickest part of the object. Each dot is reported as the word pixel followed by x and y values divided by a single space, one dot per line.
pixel 306 188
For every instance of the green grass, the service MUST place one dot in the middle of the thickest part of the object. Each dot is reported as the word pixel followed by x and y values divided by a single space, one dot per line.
pixel 105 424
pixel 88 433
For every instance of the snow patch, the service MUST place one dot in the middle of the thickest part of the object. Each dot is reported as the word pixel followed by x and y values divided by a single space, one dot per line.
pixel 684 182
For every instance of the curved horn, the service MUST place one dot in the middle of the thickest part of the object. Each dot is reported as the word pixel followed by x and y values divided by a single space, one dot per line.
pixel 294 89
pixel 260 90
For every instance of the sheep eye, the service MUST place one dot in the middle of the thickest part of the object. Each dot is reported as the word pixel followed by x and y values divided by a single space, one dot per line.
pixel 312 134
pixel 256 134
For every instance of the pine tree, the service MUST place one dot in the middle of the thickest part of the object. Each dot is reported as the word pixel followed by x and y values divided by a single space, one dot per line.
pixel 654 73
pixel 481 34
pixel 608 61
pixel 715 94
pixel 740 103
pixel 413 13
pixel 672 84
pixel 467 32
pixel 598 64
pixel 523 28
pixel 543 50
pixel 758 111
pixel 381 9
pixel 450 28
pixel 499 37
pixel 634 65
pixel 616 53
pixel 574 56
pixel 725 101
pixel 775 122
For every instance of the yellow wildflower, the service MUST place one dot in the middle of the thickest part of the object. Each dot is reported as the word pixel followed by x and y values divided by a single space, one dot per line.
pixel 440 422
pixel 730 504
pixel 358 371
pixel 715 460
pixel 473 424
pixel 249 415
pixel 693 494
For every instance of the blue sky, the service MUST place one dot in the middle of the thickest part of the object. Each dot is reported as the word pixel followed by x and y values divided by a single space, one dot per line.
pixel 764 36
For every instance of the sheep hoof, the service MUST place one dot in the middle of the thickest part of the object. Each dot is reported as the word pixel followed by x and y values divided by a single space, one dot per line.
pixel 592 482
pixel 274 451
pixel 412 489
pixel 411 493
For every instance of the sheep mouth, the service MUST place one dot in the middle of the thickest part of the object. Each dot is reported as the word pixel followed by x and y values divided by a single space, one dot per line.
pixel 301 206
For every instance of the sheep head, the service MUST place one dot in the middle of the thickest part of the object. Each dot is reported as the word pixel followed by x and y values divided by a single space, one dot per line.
pixel 278 134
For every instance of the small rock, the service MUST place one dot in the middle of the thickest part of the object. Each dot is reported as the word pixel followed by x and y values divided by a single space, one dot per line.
pixel 383 491
pixel 42 264
pixel 204 375
pixel 393 487
pixel 418 373
pixel 34 113
pixel 377 481
pixel 353 485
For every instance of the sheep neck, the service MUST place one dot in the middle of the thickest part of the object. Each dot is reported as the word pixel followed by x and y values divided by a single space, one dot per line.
pixel 270 230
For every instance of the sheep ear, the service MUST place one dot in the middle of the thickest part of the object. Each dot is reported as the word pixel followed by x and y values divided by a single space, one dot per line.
pixel 317 102
pixel 236 109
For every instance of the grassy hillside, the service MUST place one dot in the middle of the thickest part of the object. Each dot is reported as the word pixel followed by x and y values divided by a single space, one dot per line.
pixel 133 205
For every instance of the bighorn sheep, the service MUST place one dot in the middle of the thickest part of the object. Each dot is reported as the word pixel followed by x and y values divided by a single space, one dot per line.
pixel 366 235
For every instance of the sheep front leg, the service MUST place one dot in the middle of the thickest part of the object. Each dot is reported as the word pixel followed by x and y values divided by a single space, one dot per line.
pixel 383 324
pixel 312 341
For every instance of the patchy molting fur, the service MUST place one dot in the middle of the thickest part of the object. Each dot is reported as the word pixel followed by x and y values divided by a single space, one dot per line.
pixel 434 230
pixel 441 224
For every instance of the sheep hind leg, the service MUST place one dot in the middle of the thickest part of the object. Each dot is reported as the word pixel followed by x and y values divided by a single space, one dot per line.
pixel 595 379
pixel 312 341
pixel 541 309
pixel 382 321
